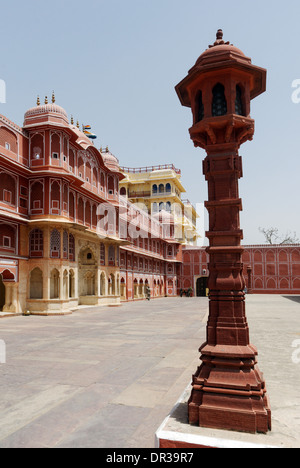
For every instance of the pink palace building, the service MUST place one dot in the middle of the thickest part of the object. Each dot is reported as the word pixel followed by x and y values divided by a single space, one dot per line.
pixel 66 237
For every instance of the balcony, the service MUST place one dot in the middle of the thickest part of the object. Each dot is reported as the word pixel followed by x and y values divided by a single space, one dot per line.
pixel 141 194
pixel 137 170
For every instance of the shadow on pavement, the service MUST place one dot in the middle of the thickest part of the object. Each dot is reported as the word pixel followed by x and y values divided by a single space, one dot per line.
pixel 293 298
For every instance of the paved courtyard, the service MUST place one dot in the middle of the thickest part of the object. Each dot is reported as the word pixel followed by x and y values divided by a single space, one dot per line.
pixel 107 377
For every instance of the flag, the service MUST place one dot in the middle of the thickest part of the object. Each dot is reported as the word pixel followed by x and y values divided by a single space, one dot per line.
pixel 90 135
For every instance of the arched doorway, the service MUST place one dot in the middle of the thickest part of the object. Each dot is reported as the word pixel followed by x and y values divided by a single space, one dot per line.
pixel 2 293
pixel 201 286
pixel 123 289
pixel 87 275
pixel 54 284
pixel 36 284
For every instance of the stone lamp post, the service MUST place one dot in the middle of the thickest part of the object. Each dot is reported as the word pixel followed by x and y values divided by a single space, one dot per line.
pixel 228 390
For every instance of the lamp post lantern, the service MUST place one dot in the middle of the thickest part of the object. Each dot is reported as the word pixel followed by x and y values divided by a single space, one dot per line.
pixel 228 390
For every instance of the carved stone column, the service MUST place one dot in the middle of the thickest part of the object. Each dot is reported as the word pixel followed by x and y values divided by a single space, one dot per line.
pixel 228 390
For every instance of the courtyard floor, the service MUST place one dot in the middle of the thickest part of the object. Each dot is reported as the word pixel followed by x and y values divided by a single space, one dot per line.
pixel 108 377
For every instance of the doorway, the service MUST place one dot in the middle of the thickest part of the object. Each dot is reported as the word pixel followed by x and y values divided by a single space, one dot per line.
pixel 201 286
pixel 2 293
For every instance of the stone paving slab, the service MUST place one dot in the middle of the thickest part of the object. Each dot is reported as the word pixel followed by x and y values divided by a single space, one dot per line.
pixel 108 377
pixel 112 373
pixel 274 323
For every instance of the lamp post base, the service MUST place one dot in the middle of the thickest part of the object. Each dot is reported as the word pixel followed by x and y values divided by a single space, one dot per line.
pixel 229 393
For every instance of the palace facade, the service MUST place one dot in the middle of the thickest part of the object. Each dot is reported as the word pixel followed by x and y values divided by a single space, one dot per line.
pixel 267 269
pixel 66 236
pixel 158 189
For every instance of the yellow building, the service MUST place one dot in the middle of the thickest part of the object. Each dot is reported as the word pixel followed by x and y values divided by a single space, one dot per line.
pixel 158 189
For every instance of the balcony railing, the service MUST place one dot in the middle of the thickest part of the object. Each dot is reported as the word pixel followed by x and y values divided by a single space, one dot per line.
pixel 139 194
pixel 136 170
pixel 153 194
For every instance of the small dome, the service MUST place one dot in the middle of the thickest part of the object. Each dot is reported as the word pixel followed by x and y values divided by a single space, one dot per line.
pixel 45 109
pixel 221 51
pixel 110 160
pixel 45 113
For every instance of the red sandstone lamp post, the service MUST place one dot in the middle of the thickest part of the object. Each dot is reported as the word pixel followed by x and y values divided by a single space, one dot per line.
pixel 228 390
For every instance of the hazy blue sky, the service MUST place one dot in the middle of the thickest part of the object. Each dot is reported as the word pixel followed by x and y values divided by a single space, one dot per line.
pixel 114 64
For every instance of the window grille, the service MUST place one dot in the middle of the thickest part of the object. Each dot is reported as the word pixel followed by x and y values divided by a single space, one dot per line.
pixel 238 101
pixel 71 247
pixel 65 244
pixel 55 244
pixel 36 243
pixel 200 107
pixel 102 254
pixel 219 104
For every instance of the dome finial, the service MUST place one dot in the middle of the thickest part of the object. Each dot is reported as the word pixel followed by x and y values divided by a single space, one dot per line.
pixel 72 120
pixel 219 39
pixel 46 100
pixel 53 97
pixel 219 34
pixel 38 102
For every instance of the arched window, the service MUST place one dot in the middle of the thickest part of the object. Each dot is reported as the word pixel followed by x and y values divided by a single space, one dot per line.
pixel 80 167
pixel 168 207
pixel 8 235
pixel 65 245
pixel 238 101
pixel 88 214
pixel 71 206
pixel 111 185
pixel 102 254
pixel 7 189
pixel 102 182
pixel 161 188
pixel 65 198
pixel 123 191
pixel 71 248
pixel 219 104
pixel 55 244
pixel 8 140
pixel 55 148
pixel 37 197
pixel 154 207
pixel 111 255
pixel 200 108
pixel 168 188
pixel 161 206
pixel 154 189
pixel 55 192
pixel 80 215
pixel 94 216
pixel 36 243
pixel 37 148
pixel 88 172
pixel 71 160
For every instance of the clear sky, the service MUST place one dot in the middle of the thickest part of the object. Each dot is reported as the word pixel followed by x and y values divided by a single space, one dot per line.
pixel 114 64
